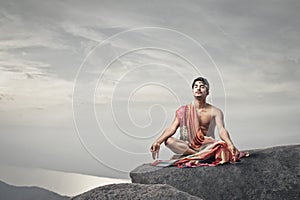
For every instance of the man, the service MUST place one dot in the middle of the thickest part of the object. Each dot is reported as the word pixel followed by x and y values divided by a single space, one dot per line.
pixel 197 122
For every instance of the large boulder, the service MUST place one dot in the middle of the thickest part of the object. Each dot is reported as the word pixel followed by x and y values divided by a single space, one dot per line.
pixel 271 173
pixel 134 191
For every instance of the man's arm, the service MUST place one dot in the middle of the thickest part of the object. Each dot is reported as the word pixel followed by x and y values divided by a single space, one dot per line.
pixel 166 134
pixel 223 133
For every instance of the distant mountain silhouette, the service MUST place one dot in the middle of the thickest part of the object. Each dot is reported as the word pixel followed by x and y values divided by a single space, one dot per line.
pixel 10 192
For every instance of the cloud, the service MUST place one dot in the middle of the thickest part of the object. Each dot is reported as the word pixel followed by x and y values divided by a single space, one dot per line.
pixel 29 85
pixel 255 46
pixel 17 33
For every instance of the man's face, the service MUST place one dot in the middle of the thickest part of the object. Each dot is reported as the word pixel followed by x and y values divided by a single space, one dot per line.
pixel 199 89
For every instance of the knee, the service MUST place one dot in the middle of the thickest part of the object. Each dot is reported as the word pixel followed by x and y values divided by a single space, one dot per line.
pixel 169 141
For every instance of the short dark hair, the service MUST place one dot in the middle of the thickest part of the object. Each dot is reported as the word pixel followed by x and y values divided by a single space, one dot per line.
pixel 204 80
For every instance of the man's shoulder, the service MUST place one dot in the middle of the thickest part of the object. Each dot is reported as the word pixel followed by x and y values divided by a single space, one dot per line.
pixel 180 110
pixel 181 107
pixel 215 110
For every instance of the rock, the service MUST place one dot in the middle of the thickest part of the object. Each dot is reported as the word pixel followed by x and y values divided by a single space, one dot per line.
pixel 134 191
pixel 271 173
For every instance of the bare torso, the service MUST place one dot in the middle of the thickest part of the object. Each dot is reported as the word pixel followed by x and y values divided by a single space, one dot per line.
pixel 207 120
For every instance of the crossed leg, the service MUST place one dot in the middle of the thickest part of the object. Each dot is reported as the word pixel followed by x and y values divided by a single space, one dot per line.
pixel 179 146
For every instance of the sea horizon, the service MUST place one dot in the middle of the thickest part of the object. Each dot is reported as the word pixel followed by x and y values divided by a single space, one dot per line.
pixel 63 183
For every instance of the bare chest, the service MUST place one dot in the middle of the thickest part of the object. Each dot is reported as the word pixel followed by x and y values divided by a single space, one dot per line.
pixel 205 117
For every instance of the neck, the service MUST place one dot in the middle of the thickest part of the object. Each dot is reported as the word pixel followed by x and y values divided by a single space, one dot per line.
pixel 200 103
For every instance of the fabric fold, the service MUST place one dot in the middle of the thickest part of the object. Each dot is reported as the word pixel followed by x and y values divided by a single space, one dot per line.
pixel 210 152
pixel 190 131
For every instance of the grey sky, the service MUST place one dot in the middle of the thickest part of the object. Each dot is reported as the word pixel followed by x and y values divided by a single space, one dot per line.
pixel 249 51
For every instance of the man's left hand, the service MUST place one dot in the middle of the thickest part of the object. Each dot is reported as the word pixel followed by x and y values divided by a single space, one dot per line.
pixel 234 152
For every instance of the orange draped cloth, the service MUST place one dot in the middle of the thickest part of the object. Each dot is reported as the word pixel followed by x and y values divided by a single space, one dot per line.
pixel 210 152
pixel 190 131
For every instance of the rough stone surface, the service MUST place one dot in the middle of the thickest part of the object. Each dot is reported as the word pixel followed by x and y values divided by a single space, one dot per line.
pixel 271 173
pixel 134 191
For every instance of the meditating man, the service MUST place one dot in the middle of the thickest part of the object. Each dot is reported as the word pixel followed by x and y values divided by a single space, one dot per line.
pixel 197 122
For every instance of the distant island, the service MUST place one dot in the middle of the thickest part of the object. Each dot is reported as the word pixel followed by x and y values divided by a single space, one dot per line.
pixel 10 192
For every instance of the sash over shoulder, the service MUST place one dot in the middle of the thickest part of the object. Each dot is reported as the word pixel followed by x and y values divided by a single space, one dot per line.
pixel 210 152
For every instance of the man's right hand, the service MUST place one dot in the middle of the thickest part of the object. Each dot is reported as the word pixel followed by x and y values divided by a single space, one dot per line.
pixel 155 150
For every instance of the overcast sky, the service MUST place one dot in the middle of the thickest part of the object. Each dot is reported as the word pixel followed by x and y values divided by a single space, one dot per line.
pixel 87 86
